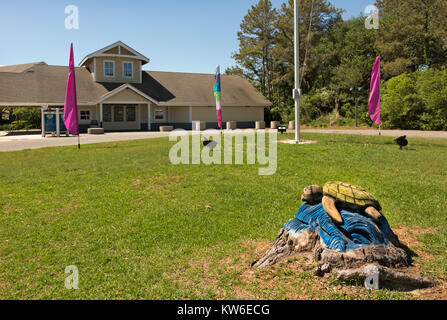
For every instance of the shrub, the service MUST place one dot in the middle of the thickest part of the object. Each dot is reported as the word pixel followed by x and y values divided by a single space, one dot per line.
pixel 5 127
pixel 416 101
pixel 20 125
pixel 26 118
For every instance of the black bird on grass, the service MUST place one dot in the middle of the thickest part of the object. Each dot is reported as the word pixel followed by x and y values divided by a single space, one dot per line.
pixel 402 141
pixel 209 143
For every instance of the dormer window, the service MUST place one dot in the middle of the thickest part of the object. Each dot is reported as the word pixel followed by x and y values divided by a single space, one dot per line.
pixel 109 68
pixel 127 69
pixel 115 63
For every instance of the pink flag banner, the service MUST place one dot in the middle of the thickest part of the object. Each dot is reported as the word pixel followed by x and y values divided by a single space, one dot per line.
pixel 71 103
pixel 374 96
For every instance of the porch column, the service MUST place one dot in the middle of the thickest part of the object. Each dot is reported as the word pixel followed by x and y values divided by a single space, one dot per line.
pixel 43 121
pixel 148 117
pixel 44 107
pixel 100 115
pixel 58 124
pixel 97 113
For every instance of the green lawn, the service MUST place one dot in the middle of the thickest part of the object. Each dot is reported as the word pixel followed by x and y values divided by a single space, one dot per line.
pixel 137 227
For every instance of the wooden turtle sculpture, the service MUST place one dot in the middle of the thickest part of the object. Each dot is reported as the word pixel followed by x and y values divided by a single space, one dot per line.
pixel 344 196
pixel 312 194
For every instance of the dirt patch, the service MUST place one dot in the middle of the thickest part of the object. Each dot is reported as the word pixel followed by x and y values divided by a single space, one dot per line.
pixel 289 279
pixel 408 236
pixel 232 277
pixel 300 266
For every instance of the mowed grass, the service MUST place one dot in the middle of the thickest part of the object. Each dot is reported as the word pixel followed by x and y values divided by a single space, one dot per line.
pixel 136 226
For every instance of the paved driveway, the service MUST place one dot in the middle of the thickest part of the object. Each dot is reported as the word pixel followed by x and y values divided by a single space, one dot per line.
pixel 13 143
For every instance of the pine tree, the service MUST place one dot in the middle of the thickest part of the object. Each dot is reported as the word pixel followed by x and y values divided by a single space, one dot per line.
pixel 256 42
pixel 316 18
pixel 412 33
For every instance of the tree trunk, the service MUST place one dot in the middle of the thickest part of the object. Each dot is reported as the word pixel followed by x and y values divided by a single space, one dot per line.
pixel 387 278
pixel 350 265
pixel 337 111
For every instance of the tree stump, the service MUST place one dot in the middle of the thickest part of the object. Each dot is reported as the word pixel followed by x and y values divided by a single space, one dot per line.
pixel 319 237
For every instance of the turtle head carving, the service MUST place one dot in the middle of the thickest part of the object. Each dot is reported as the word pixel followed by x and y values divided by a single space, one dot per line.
pixel 312 194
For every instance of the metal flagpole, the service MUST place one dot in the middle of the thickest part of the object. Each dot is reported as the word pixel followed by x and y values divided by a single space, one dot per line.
pixel 297 91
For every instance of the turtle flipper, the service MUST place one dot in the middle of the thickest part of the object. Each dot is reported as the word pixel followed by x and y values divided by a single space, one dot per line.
pixel 331 210
pixel 373 214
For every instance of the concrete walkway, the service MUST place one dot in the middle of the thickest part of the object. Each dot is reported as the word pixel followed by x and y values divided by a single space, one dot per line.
pixel 14 143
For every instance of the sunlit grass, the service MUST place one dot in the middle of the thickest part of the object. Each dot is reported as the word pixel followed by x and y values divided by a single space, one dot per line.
pixel 136 226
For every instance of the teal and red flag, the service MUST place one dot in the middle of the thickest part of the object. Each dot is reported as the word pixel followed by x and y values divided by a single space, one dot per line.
pixel 71 103
pixel 218 96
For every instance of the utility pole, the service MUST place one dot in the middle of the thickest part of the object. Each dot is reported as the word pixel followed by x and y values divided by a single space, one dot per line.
pixel 297 90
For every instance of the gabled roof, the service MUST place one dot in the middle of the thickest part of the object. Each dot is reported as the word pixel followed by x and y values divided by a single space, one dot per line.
pixel 21 67
pixel 122 88
pixel 47 85
pixel 195 89
pixel 108 52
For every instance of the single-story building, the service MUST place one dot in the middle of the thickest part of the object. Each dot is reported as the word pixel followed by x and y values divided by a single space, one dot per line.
pixel 115 93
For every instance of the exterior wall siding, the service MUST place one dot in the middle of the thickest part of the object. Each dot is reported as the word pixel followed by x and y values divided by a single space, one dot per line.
pixel 126 52
pixel 118 70
pixel 93 114
pixel 114 50
pixel 238 114
pixel 175 116
pixel 85 124
pixel 178 114
pixel 127 95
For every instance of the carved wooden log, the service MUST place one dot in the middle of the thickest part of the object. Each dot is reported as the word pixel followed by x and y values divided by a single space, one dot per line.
pixel 289 243
pixel 357 264
pixel 344 248
pixel 387 277
pixel 286 244
pixel 389 256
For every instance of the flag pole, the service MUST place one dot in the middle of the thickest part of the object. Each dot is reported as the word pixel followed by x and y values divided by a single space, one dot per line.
pixel 296 90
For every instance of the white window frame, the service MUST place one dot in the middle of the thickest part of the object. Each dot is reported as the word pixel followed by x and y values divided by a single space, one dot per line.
pixel 111 113
pixel 125 113
pixel 89 115
pixel 124 75
pixel 108 76
pixel 155 115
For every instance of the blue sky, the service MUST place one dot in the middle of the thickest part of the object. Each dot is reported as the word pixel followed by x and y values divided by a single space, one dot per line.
pixel 177 35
